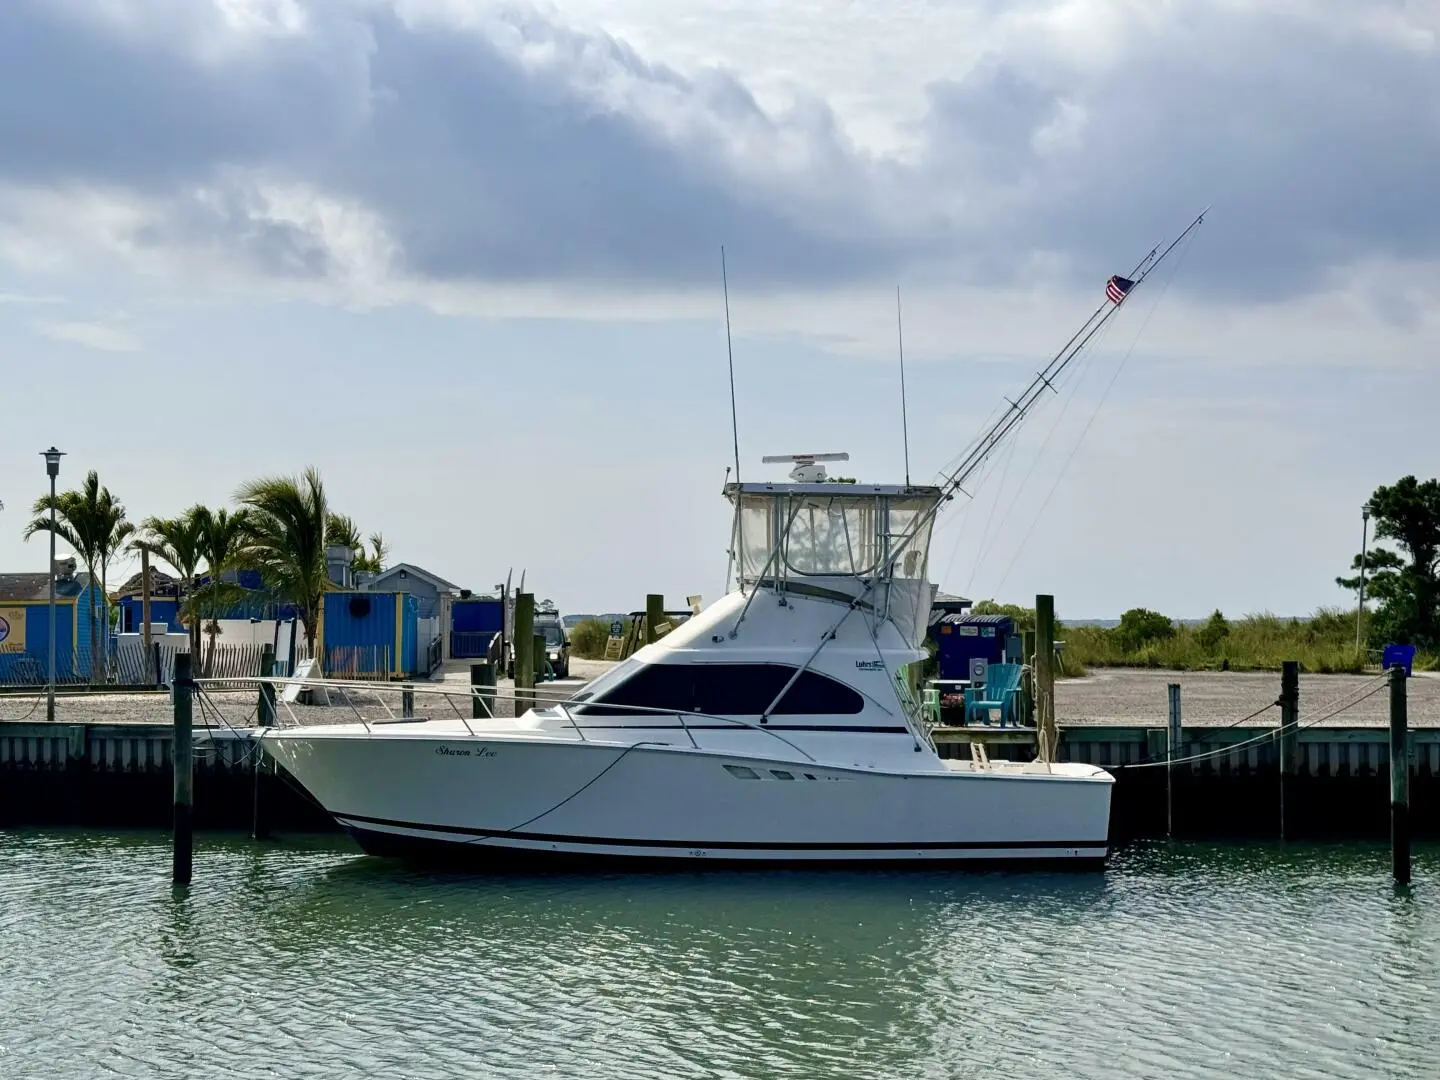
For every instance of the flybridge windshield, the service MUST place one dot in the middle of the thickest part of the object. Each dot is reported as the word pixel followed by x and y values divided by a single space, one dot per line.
pixel 802 533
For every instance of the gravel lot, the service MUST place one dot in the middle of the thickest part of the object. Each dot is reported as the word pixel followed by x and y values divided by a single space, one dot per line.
pixel 1124 696
pixel 238 708
pixel 1117 696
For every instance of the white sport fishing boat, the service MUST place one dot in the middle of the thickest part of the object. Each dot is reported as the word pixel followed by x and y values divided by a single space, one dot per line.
pixel 773 727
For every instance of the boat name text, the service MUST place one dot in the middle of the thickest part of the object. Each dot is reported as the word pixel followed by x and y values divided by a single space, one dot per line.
pixel 465 751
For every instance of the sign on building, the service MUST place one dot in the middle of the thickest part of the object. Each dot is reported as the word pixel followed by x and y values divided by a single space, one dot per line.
pixel 12 629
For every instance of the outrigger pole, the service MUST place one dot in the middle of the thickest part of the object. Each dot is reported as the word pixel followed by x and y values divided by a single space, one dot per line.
pixel 992 438
pixel 1045 378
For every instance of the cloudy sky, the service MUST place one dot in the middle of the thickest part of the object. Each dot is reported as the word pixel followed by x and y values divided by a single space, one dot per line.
pixel 464 257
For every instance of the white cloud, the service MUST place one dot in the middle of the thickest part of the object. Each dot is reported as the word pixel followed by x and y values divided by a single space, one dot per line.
pixel 378 151
pixel 18 298
pixel 92 335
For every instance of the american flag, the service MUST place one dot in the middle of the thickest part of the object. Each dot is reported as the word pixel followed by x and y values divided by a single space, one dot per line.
pixel 1117 287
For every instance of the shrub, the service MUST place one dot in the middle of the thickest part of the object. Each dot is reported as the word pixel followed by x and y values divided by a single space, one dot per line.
pixel 1141 626
pixel 1258 642
pixel 587 639
pixel 1215 630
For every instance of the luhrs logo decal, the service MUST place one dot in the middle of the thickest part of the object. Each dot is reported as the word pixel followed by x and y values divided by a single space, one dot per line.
pixel 465 751
pixel 870 665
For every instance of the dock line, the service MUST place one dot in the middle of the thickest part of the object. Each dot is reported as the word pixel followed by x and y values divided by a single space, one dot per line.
pixel 1298 725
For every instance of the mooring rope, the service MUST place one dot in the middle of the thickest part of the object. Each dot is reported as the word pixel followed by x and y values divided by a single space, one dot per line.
pixel 34 705
pixel 207 702
pixel 1297 725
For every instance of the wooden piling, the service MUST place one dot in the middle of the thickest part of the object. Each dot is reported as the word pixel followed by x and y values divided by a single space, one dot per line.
pixel 265 706
pixel 1048 734
pixel 407 703
pixel 1173 743
pixel 155 666
pixel 258 827
pixel 482 691
pixel 541 660
pixel 264 717
pixel 654 616
pixel 524 649
pixel 183 756
pixel 1399 779
pixel 1289 743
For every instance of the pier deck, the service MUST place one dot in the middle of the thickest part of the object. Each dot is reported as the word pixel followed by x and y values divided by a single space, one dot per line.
pixel 106 759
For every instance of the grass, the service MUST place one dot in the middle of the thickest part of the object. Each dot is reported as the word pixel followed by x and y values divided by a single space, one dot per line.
pixel 1323 643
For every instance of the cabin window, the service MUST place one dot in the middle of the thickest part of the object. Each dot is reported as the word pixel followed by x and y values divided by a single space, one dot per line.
pixel 909 556
pixel 756 531
pixel 725 690
pixel 829 535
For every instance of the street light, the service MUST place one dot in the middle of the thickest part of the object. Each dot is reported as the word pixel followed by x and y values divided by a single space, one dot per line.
pixel 1364 539
pixel 52 469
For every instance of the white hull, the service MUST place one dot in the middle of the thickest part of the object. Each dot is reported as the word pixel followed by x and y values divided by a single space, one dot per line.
pixel 432 788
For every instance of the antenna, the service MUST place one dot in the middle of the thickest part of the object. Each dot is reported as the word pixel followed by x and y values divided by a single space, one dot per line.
pixel 730 354
pixel 904 418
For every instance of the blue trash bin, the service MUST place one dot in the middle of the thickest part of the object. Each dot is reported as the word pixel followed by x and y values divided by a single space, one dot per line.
pixel 1398 656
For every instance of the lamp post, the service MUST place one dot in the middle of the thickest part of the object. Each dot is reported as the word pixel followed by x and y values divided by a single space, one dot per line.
pixel 1364 540
pixel 52 469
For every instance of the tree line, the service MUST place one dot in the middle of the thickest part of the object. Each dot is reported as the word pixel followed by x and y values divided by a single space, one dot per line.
pixel 1402 585
pixel 280 527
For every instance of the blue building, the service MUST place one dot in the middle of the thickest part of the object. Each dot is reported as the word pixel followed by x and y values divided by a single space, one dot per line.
pixel 370 635
pixel 474 622
pixel 167 598
pixel 164 603
pixel 25 625
pixel 429 589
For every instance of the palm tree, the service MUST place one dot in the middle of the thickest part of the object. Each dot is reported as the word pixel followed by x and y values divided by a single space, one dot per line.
pixel 93 524
pixel 372 561
pixel 222 543
pixel 285 540
pixel 180 541
pixel 116 532
pixel 341 531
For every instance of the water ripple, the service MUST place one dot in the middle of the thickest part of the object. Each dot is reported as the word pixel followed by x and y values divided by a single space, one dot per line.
pixel 303 960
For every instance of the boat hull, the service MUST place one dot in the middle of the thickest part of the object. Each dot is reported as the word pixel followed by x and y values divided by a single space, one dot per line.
pixel 514 801
pixel 490 855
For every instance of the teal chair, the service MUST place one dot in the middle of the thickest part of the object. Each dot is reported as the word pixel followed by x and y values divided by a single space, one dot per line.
pixel 1001 691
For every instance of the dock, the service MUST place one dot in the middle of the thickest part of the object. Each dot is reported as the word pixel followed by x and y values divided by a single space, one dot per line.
pixel 106 761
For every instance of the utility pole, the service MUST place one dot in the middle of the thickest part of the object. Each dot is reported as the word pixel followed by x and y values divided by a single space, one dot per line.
pixel 1364 541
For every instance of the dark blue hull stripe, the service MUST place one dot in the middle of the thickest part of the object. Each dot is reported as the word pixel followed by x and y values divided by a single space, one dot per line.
pixel 724 845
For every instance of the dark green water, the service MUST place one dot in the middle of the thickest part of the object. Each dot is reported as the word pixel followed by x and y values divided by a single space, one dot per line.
pixel 306 960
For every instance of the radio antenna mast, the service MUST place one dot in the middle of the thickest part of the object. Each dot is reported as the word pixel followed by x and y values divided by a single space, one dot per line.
pixel 730 354
pixel 904 418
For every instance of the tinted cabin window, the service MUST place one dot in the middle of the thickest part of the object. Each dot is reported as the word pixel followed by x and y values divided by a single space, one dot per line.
pixel 726 689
